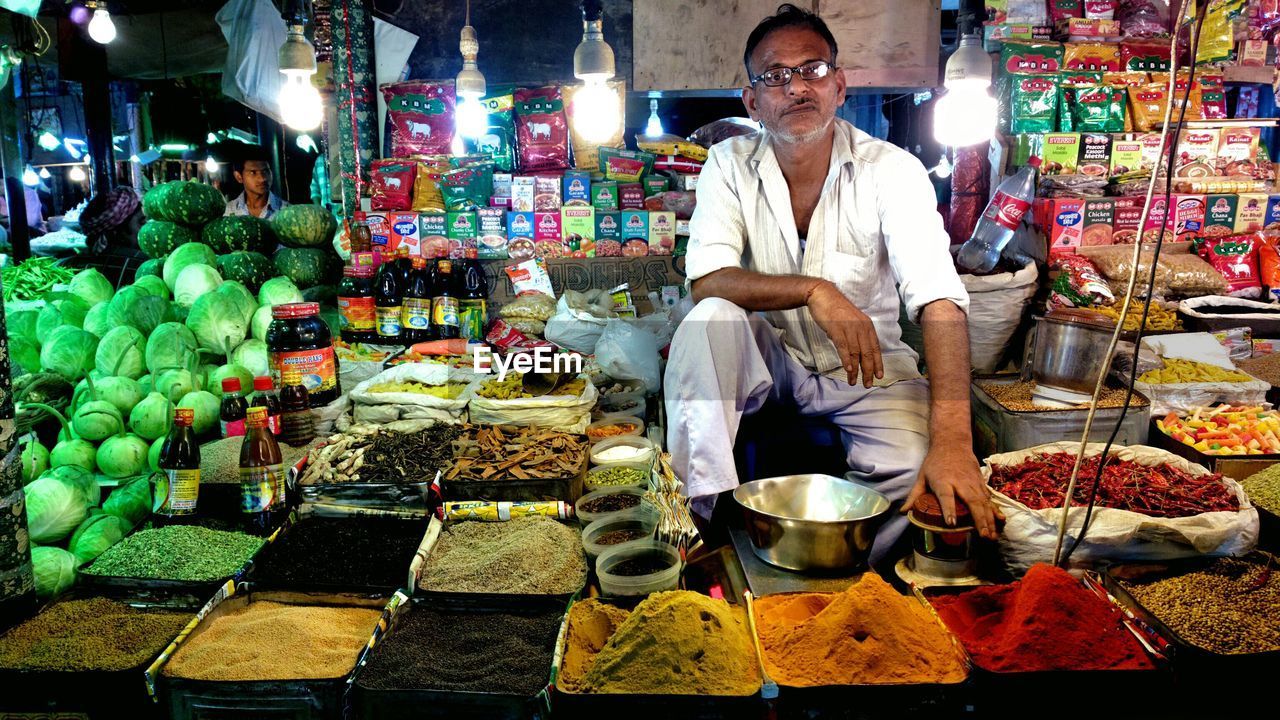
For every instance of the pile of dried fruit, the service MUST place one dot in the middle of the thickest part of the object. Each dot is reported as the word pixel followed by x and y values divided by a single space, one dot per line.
pixel 489 452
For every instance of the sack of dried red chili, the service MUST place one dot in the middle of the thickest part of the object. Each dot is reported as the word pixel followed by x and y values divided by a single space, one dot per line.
pixel 419 118
pixel 1235 257
pixel 391 184
pixel 542 129
pixel 1152 505
pixel 970 185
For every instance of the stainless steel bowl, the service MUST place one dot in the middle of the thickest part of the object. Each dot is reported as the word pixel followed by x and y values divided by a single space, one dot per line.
pixel 811 522
pixel 1070 350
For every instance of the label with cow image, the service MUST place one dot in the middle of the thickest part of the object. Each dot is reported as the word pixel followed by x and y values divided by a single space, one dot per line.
pixel 542 130
pixel 420 115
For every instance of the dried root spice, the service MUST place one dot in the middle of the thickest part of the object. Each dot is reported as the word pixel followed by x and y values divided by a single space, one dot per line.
pixel 429 649
pixel 530 555
pixel 491 452
pixel 352 552
pixel 371 454
pixel 267 640
pixel 92 634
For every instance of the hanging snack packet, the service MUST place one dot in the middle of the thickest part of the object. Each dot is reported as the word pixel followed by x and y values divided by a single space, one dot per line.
pixel 586 152
pixel 1091 56
pixel 1217 33
pixel 1068 81
pixel 542 129
pixel 1033 104
pixel 1099 109
pixel 1235 257
pixel 1147 104
pixel 1079 283
pixel 1017 61
pixel 419 117
pixel 625 166
pixel 1100 9
pixel 499 139
pixel 1144 56
pixel 467 188
pixel 392 184
pixel 426 185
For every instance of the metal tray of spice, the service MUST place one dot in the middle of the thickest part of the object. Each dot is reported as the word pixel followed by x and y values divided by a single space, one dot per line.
pixel 419 644
pixel 506 463
pixel 479 600
pixel 97 693
pixel 1185 655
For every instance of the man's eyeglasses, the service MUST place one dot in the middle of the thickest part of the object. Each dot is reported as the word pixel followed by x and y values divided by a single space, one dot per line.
pixel 777 77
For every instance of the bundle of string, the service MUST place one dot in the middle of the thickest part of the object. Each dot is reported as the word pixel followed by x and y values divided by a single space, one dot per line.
pixel 1168 128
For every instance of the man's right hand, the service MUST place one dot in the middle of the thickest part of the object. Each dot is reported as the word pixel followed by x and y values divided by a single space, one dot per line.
pixel 850 330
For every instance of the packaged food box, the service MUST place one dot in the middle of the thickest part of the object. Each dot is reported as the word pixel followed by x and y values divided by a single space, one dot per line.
pixel 577 188
pixel 635 232
pixel 1060 154
pixel 520 235
pixel 404 233
pixel 578 228
pixel 433 230
pixel 492 240
pixel 1159 222
pixel 502 185
pixel 662 232
pixel 546 196
pixel 631 196
pixel 1095 155
pixel 462 231
pixel 608 234
pixel 604 195
pixel 548 235
pixel 1251 212
pixel 1063 222
pixel 1126 156
pixel 1220 214
pixel 523 190
pixel 1197 151
pixel 379 224
pixel 1188 216
pixel 1151 150
pixel 656 185
pixel 1272 220
pixel 1125 218
pixel 1098 215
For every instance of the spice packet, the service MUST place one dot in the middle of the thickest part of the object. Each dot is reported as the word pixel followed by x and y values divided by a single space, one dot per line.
pixel 530 276
pixel 462 231
pixel 1238 152
pixel 520 235
pixel 662 233
pixel 1095 155
pixel 379 224
pixel 1065 220
pixel 1220 214
pixel 1099 109
pixel 577 188
pixel 608 234
pixel 1059 154
pixel 426 185
pixel 499 139
pixel 1145 56
pixel 404 233
pixel 625 165
pixel 1126 156
pixel 656 185
pixel 631 196
pixel 635 233
pixel 1251 212
pixel 467 188
pixel 1196 153
pixel 523 191
pixel 586 153
pixel 502 511
pixel 492 227
pixel 578 229
pixel 604 195
pixel 548 235
pixel 542 130
pixel 1098 216
pixel 419 118
pixel 1235 257
pixel 392 184
pixel 546 196
pixel 1126 219
pixel 1068 81
pixel 1033 104
pixel 1095 56
pixel 1188 216
pixel 433 231
pixel 1147 105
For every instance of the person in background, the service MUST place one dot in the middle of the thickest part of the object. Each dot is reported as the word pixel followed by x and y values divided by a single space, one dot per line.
pixel 110 223
pixel 253 171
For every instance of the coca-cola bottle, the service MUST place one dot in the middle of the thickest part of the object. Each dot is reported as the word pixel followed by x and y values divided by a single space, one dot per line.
pixel 1000 220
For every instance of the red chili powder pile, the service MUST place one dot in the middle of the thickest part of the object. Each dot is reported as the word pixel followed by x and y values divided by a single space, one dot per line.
pixel 1046 621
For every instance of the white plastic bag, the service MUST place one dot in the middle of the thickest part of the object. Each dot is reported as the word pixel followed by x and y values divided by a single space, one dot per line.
pixel 560 412
pixel 1183 397
pixel 384 407
pixel 996 304
pixel 628 352
pixel 254 31
pixel 574 329
pixel 1030 536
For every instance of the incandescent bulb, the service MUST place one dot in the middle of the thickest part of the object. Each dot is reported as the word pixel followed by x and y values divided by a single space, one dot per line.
pixel 964 116
pixel 596 114
pixel 77 174
pixel 30 178
pixel 306 143
pixel 101 28
pixel 653 128
pixel 473 118
pixel 47 141
pixel 210 165
pixel 300 105
pixel 45 174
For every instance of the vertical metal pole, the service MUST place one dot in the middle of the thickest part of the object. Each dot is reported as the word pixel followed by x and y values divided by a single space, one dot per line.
pixel 353 71
pixel 97 111
pixel 134 113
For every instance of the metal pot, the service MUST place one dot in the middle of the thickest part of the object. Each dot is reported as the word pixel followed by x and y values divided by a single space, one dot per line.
pixel 1070 350
pixel 811 522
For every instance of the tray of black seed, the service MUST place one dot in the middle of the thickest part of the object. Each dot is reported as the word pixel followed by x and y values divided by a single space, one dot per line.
pixel 270 653
pixel 389 466
pixel 360 554
pixel 449 662
pixel 180 559
pixel 500 565
pixel 87 653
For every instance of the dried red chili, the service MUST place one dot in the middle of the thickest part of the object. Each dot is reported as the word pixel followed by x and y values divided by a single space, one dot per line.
pixel 1158 491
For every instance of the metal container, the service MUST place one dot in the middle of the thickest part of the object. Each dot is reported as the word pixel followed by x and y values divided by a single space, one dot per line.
pixel 1070 350
pixel 811 522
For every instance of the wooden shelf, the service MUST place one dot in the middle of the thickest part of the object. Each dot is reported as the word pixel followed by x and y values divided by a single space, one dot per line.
pixel 1241 74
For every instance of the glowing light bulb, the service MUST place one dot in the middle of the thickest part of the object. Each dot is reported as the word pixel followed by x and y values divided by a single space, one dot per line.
pixel 77 174
pixel 306 143
pixel 301 107
pixel 473 118
pixel 210 165
pixel 653 128
pixel 596 114
pixel 210 139
pixel 943 168
pixel 101 28
pixel 458 147
pixel 29 177
pixel 964 116
pixel 47 141
pixel 44 173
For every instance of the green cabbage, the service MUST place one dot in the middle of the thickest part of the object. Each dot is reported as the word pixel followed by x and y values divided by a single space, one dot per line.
pixel 91 286
pixel 136 308
pixel 206 406
pixel 54 508
pixel 69 352
pixel 260 322
pixel 55 571
pixel 120 391
pixel 170 346
pixel 131 500
pixel 78 478
pixel 60 310
pixel 122 456
pixel 152 285
pixel 192 253
pixel 150 418
pixel 34 458
pixel 218 325
pixel 98 319
pixel 237 293
pixel 193 282
pixel 252 356
pixel 122 351
pixel 97 533
pixel 175 383
pixel 153 455
pixel 278 291
pixel 22 323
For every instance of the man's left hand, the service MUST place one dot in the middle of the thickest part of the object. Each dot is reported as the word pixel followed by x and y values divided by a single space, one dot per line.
pixel 952 473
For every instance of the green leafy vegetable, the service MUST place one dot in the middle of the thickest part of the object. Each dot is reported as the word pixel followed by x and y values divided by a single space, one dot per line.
pixel 218 325
pixel 252 355
pixel 97 420
pixel 98 320
pixel 120 391
pixel 171 345
pixel 122 351
pixel 190 254
pixel 193 282
pixel 150 418
pixel 122 456
pixel 206 406
pixel 54 508
pixel 132 499
pixel 97 533
pixel 91 286
pixel 55 571
pixel 69 352
pixel 278 291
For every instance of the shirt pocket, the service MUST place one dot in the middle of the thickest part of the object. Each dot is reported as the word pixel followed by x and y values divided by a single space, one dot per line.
pixel 859 232
pixel 852 273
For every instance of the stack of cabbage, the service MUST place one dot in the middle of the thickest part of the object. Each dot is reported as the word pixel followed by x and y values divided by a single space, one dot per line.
pixel 130 356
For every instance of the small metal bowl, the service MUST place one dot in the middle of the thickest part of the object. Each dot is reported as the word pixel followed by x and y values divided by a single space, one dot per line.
pixel 811 522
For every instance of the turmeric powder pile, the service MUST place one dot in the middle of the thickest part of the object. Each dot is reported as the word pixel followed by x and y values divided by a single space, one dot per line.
pixel 673 643
pixel 866 635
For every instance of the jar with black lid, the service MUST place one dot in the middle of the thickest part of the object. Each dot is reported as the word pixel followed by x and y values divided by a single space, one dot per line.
pixel 298 338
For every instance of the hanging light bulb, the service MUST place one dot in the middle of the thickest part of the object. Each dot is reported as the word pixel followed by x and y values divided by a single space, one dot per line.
pixel 301 107
pixel 596 111
pixel 44 173
pixel 210 139
pixel 653 128
pixel 47 141
pixel 306 143
pixel 469 86
pixel 966 114
pixel 211 165
pixel 29 177
pixel 101 27
pixel 77 174
pixel 943 168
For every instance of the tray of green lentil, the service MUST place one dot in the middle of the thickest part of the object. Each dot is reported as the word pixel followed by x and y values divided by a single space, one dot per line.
pixel 258 654
pixel 440 662
pixel 177 559
pixel 525 561
pixel 1263 489
pixel 87 653
pixel 1218 614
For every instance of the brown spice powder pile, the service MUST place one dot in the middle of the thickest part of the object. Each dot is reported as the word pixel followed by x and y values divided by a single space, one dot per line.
pixel 272 641
pixel 531 555
pixel 94 634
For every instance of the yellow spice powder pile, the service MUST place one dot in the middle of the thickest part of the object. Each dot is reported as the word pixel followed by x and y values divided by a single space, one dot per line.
pixel 272 641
